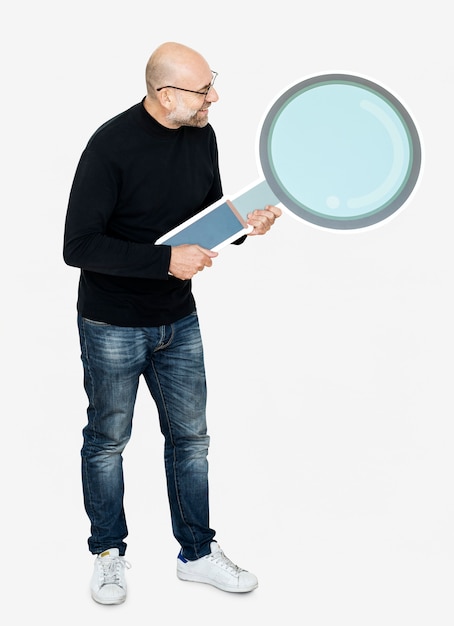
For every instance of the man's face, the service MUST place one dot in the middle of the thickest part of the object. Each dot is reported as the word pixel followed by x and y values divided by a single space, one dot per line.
pixel 190 105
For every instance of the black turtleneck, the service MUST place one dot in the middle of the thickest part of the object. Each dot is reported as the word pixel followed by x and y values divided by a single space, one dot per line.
pixel 135 181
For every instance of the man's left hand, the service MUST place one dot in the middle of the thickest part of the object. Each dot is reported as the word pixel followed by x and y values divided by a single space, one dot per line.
pixel 262 220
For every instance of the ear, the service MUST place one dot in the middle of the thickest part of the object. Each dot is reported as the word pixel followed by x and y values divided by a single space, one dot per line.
pixel 165 98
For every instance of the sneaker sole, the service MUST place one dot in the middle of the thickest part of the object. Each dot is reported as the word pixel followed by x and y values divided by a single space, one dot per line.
pixel 207 581
pixel 107 602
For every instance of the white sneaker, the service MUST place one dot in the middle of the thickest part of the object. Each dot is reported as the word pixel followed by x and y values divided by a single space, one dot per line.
pixel 108 583
pixel 217 570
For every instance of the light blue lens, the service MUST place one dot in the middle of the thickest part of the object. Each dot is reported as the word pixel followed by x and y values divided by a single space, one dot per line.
pixel 340 151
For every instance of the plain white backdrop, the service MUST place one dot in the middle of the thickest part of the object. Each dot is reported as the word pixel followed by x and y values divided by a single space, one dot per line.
pixel 329 355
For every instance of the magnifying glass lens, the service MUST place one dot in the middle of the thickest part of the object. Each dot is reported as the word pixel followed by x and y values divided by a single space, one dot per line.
pixel 340 151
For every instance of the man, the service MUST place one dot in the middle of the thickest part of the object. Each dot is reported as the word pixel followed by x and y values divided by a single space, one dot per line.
pixel 141 174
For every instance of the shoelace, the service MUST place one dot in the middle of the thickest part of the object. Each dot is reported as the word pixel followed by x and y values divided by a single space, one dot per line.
pixel 222 560
pixel 111 568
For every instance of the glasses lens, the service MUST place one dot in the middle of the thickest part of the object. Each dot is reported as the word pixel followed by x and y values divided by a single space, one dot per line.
pixel 212 82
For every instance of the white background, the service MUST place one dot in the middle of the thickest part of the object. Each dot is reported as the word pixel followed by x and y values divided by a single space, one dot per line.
pixel 331 466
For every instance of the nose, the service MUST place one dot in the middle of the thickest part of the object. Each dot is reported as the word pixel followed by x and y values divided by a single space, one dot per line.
pixel 212 95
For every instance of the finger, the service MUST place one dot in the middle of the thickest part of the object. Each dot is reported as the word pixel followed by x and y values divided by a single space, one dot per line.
pixel 277 212
pixel 264 222
pixel 209 253
pixel 265 216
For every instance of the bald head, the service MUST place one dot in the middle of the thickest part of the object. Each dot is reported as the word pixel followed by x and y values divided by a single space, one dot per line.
pixel 173 63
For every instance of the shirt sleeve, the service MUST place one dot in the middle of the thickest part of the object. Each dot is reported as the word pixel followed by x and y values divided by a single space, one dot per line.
pixel 87 243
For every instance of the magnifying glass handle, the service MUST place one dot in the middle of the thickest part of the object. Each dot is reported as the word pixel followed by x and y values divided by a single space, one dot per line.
pixel 256 196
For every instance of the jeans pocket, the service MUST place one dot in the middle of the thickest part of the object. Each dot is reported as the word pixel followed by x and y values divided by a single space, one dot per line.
pixel 95 322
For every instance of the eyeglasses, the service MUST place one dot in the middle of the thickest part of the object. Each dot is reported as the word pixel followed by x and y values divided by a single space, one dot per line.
pixel 200 93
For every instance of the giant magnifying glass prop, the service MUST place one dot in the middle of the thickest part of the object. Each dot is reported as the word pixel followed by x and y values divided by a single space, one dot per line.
pixel 338 151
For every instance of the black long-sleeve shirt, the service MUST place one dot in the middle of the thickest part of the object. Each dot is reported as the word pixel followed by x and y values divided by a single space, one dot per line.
pixel 135 180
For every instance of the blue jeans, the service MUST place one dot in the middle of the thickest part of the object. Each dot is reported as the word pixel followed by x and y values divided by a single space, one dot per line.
pixel 170 358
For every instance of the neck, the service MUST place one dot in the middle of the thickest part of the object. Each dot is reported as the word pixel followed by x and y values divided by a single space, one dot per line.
pixel 154 109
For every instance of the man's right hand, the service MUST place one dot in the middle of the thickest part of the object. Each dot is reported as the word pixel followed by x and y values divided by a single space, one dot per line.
pixel 188 259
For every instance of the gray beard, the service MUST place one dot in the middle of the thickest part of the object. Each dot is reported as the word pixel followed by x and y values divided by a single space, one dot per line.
pixel 183 116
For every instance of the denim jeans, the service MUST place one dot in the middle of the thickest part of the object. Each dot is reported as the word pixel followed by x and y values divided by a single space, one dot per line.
pixel 170 358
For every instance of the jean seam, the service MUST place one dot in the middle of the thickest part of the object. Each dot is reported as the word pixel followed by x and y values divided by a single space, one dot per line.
pixel 88 368
pixel 162 346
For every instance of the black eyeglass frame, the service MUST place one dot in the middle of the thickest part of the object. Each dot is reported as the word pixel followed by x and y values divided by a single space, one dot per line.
pixel 199 93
